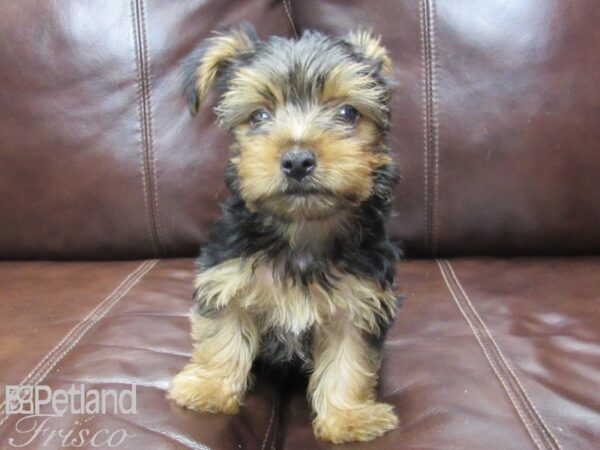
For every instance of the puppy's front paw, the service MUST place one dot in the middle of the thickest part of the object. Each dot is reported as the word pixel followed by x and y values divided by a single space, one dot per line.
pixel 193 388
pixel 363 423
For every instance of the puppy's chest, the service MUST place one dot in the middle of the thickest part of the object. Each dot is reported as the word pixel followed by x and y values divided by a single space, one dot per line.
pixel 286 313
pixel 280 302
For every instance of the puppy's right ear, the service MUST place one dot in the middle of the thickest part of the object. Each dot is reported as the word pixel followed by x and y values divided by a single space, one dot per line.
pixel 370 48
pixel 210 60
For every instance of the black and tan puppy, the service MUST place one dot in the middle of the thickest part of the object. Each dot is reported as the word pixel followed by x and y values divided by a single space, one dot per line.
pixel 299 269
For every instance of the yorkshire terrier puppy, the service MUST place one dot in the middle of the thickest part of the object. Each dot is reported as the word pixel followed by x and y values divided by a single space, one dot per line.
pixel 299 269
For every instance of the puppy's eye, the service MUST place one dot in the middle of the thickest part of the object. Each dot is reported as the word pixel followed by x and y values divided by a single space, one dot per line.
pixel 259 117
pixel 348 114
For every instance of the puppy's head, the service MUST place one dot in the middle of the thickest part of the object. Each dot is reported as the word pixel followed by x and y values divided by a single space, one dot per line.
pixel 309 117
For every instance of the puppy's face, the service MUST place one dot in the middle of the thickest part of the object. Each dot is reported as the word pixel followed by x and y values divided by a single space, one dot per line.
pixel 309 117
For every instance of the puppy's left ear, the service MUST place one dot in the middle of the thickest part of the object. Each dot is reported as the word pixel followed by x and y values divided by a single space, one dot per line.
pixel 211 60
pixel 370 48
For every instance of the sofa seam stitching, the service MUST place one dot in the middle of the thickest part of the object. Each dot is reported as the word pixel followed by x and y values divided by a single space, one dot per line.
pixel 44 361
pixel 430 128
pixel 535 430
pixel 268 430
pixel 66 344
pixel 140 117
pixel 287 6
pixel 542 426
pixel 425 91
pixel 148 160
pixel 150 127
pixel 434 124
pixel 278 418
pixel 494 367
pixel 117 297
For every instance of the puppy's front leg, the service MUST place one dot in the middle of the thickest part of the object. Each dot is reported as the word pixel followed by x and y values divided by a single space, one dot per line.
pixel 225 344
pixel 216 378
pixel 342 386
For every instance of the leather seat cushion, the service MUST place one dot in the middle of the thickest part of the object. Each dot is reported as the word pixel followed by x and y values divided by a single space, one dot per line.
pixel 484 353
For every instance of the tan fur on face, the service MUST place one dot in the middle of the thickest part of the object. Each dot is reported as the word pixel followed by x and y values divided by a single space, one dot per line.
pixel 347 155
pixel 352 83
pixel 346 164
pixel 346 160
pixel 247 91
pixel 258 168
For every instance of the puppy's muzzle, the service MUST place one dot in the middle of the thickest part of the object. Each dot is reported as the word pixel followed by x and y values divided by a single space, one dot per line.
pixel 298 163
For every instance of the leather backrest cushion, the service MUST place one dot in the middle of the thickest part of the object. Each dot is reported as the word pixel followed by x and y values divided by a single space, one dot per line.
pixel 496 119
pixel 99 156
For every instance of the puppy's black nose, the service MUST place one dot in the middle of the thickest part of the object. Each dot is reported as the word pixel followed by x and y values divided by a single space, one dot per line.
pixel 298 163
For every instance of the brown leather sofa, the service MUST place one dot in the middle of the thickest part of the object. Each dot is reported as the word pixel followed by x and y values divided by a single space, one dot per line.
pixel 107 187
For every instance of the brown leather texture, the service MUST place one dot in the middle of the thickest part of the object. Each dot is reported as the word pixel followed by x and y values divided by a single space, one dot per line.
pixel 495 123
pixel 99 156
pixel 108 325
pixel 495 127
pixel 484 354
pixel 494 120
